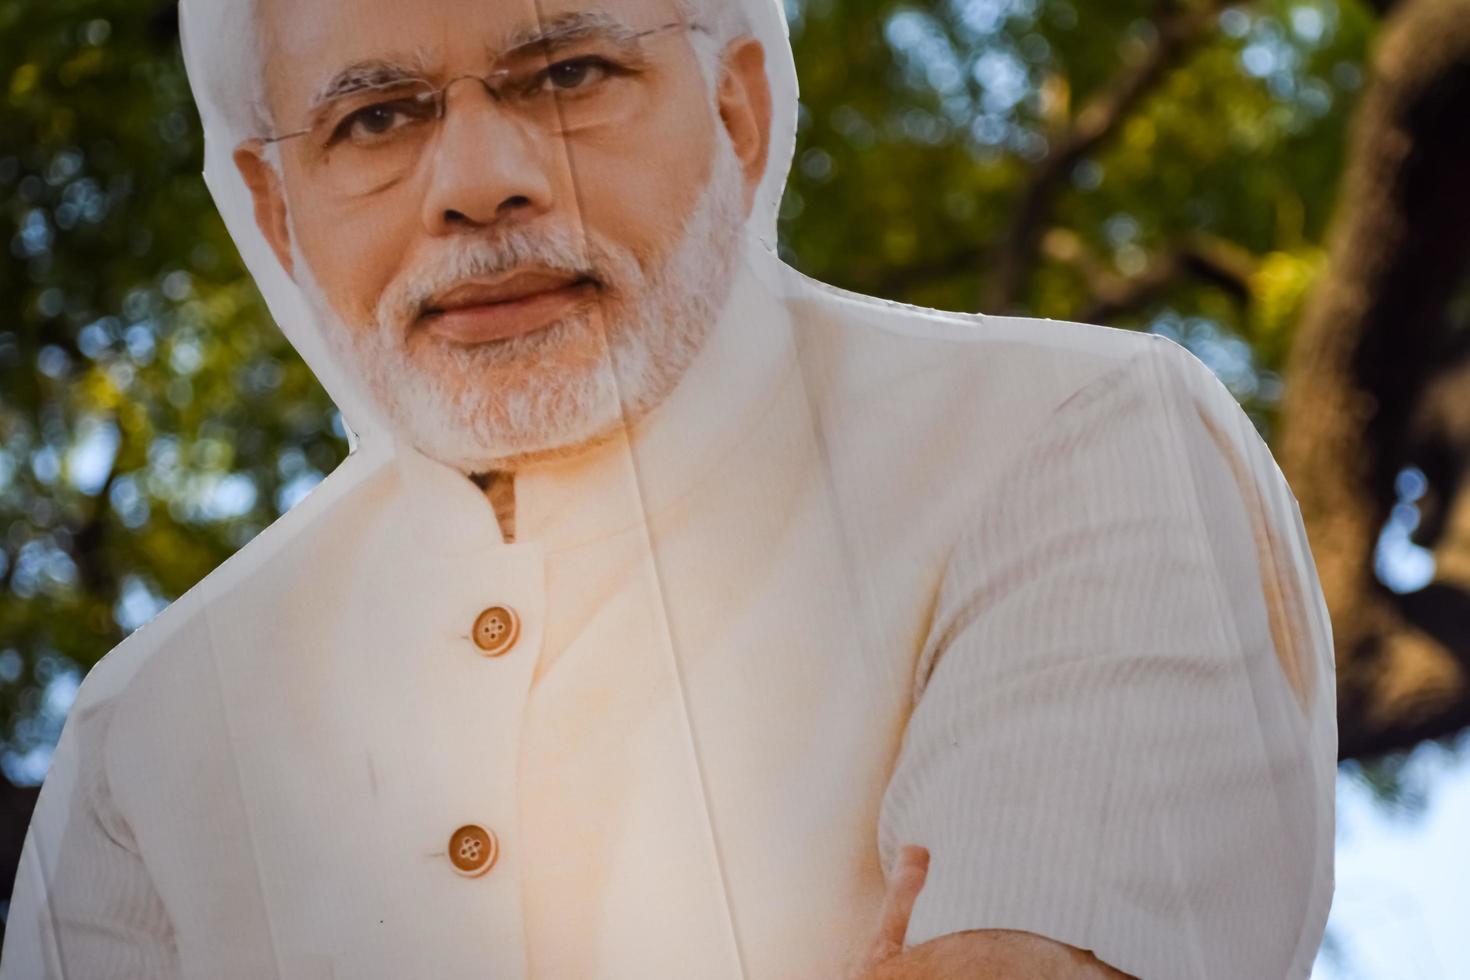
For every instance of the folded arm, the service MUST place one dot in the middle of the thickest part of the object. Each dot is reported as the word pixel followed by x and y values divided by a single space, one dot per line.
pixel 1123 740
pixel 977 954
pixel 995 954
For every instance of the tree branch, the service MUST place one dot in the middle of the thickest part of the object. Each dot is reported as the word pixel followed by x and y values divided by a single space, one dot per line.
pixel 1202 257
pixel 1176 32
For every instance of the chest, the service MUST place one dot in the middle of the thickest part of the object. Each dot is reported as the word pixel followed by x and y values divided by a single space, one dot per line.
pixel 676 764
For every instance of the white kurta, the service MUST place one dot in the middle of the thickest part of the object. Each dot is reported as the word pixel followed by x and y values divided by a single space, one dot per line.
pixel 1028 592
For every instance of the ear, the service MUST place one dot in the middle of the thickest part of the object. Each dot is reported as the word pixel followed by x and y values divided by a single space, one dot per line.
pixel 745 108
pixel 270 199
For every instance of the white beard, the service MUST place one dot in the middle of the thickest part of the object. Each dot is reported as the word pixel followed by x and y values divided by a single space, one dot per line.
pixel 560 390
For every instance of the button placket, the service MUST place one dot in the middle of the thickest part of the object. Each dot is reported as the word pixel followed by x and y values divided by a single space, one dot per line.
pixel 498 598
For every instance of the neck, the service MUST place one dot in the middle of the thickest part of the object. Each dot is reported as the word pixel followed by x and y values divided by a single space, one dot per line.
pixel 499 486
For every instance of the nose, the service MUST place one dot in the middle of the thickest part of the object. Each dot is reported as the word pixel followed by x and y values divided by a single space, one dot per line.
pixel 487 166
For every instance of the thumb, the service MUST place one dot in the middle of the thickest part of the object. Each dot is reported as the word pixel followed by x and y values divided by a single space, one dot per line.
pixel 904 883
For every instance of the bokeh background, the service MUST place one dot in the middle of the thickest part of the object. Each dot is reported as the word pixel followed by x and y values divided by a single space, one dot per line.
pixel 1282 186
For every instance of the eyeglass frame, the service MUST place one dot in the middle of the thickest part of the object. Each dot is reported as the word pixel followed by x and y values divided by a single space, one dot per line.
pixel 439 93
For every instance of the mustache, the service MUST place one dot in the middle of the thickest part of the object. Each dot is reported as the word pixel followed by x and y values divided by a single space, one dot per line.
pixel 557 250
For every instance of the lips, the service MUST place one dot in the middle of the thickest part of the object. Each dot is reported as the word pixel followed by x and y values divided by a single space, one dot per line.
pixel 486 310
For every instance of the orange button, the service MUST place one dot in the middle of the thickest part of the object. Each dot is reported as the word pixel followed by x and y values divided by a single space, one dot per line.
pixel 473 850
pixel 496 630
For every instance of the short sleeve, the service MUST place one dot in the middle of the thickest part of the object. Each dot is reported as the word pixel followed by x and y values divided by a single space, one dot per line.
pixel 1124 733
pixel 83 904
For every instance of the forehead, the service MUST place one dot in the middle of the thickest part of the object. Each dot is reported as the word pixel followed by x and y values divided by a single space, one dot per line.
pixel 307 41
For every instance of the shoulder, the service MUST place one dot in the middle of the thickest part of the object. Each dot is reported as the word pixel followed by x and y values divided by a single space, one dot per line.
pixel 908 397
pixel 861 321
pixel 144 697
pixel 967 369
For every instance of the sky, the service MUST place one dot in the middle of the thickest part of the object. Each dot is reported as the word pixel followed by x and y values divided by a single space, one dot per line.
pixel 1401 907
pixel 1402 902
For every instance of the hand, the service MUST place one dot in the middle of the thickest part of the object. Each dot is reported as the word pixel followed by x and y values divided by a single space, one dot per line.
pixel 904 884
pixel 970 954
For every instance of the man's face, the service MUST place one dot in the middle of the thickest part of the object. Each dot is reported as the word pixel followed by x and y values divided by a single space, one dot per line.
pixel 521 274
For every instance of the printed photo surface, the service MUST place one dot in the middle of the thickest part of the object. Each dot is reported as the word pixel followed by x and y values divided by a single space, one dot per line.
pixel 676 615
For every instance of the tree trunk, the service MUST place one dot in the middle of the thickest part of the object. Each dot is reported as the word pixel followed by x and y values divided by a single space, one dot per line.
pixel 1379 379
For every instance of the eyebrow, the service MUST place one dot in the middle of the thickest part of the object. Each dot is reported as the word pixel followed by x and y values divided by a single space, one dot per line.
pixel 560 30
pixel 573 26
pixel 369 73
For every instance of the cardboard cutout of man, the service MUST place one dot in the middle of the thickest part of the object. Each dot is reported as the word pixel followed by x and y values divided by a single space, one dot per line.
pixel 672 607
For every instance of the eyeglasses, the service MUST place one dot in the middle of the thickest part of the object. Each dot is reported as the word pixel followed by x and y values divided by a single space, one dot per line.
pixel 368 138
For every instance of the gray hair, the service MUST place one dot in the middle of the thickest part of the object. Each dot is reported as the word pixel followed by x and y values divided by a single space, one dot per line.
pixel 724 20
pixel 236 72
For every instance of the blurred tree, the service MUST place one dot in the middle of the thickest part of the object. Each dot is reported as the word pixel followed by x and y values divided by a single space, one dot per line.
pixel 1376 417
pixel 1279 185
pixel 152 419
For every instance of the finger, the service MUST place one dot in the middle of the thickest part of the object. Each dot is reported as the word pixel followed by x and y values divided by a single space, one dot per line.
pixel 904 884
